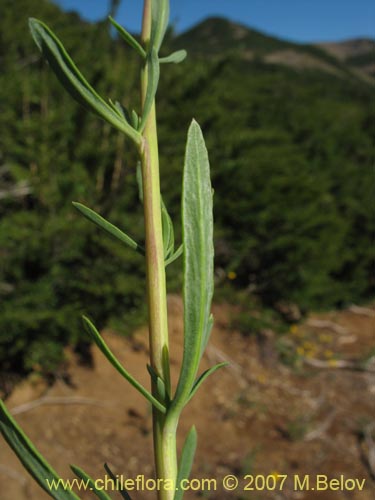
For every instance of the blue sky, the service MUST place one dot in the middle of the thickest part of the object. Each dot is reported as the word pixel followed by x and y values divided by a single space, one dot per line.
pixel 297 20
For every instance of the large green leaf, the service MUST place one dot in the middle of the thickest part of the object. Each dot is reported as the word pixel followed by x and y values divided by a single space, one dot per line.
pixel 109 228
pixel 97 338
pixel 31 459
pixel 186 461
pixel 73 80
pixel 198 256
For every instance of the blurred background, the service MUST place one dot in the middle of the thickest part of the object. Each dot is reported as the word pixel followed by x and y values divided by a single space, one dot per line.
pixel 285 97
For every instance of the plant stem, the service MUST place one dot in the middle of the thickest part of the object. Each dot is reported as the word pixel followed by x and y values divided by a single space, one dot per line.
pixel 164 436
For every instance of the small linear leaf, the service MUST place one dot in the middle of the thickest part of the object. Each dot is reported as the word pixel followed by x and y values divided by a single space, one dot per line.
pixel 134 119
pixel 73 80
pixel 97 338
pixel 117 108
pixel 153 73
pixel 139 181
pixel 176 57
pixel 129 39
pixel 122 111
pixel 168 232
pixel 121 491
pixel 175 256
pixel 165 360
pixel 198 256
pixel 186 461
pixel 159 22
pixel 203 377
pixel 101 494
pixel 160 385
pixel 31 459
pixel 107 227
pixel 206 336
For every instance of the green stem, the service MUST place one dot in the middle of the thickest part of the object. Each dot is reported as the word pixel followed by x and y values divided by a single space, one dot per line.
pixel 164 435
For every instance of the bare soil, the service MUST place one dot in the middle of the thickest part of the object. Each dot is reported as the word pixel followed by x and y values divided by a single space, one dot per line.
pixel 256 417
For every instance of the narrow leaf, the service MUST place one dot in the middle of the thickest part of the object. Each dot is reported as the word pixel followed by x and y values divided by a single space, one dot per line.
pixel 206 335
pixel 91 483
pixel 73 80
pixel 122 111
pixel 175 57
pixel 160 385
pixel 159 22
pixel 121 491
pixel 134 119
pixel 175 256
pixel 186 461
pixel 203 377
pixel 166 366
pixel 153 72
pixel 129 39
pixel 108 227
pixel 31 459
pixel 117 108
pixel 168 232
pixel 139 181
pixel 198 255
pixel 97 338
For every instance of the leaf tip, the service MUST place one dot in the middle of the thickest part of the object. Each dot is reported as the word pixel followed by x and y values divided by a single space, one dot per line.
pixel 195 128
pixel 73 468
pixel 86 322
pixel 35 30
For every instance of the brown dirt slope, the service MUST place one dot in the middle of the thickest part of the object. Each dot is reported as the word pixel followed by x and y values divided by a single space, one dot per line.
pixel 257 417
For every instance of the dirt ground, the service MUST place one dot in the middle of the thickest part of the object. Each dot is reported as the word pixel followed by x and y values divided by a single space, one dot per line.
pixel 257 417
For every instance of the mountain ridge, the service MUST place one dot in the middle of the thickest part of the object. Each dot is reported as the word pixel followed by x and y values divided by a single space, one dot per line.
pixel 216 36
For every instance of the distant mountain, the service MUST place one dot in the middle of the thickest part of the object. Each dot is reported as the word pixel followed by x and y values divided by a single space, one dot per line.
pixel 218 36
pixel 358 53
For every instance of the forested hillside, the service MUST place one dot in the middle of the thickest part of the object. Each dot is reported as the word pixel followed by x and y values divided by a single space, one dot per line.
pixel 291 149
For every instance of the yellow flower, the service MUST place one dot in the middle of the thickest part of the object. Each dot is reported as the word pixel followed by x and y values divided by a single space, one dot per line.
pixel 232 275
pixel 308 345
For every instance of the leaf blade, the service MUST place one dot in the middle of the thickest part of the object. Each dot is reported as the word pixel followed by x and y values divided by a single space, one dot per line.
pixel 175 255
pixel 186 461
pixel 197 229
pixel 106 226
pixel 204 376
pixel 81 474
pixel 153 73
pixel 122 492
pixel 73 80
pixel 29 456
pixel 168 231
pixel 99 341
pixel 159 22
pixel 129 39
pixel 176 57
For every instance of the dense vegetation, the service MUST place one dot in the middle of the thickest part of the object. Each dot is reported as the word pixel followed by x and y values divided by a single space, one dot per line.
pixel 291 154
